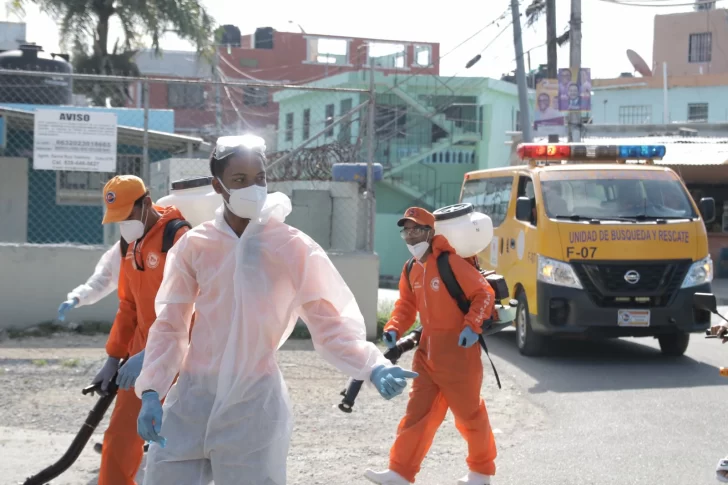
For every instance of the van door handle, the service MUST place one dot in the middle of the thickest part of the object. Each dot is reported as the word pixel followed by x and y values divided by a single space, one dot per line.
pixel 513 243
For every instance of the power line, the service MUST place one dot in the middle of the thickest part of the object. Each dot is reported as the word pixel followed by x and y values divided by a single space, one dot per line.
pixel 658 3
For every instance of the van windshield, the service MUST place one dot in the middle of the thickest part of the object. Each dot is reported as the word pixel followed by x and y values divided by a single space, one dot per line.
pixel 605 195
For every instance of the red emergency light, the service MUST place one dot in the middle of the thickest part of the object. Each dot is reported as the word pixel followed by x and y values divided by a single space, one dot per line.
pixel 544 152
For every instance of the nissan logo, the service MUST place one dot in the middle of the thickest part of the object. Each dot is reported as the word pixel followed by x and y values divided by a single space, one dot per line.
pixel 631 277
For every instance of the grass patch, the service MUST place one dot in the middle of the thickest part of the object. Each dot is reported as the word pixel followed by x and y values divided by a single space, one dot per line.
pixel 384 313
pixel 40 362
pixel 71 363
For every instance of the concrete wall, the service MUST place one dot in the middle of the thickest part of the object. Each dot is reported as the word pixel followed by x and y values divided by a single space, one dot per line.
pixel 606 103
pixel 333 213
pixel 672 42
pixel 35 279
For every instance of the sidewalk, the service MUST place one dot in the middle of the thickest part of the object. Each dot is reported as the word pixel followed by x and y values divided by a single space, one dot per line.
pixel 720 290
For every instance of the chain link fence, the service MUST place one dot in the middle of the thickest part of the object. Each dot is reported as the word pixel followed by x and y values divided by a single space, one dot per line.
pixel 166 130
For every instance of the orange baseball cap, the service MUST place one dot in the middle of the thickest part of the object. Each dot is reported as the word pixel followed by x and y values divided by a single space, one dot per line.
pixel 418 216
pixel 120 193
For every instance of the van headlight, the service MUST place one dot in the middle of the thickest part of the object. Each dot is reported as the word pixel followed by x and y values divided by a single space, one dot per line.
pixel 557 273
pixel 700 272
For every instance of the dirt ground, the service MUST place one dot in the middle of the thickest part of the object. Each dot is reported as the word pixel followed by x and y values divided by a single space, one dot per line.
pixel 41 409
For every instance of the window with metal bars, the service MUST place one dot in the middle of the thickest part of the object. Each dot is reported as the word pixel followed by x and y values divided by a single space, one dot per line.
pixel 700 47
pixel 698 112
pixel 635 115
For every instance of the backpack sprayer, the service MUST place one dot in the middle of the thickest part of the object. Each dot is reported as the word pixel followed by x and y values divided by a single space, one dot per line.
pixel 87 430
pixel 469 233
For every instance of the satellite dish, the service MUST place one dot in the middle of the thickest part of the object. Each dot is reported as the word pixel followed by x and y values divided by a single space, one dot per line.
pixel 638 63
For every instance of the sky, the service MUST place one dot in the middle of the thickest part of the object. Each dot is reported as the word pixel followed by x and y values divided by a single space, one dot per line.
pixel 608 29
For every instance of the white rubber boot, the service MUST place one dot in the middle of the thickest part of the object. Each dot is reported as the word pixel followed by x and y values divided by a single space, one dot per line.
pixel 387 477
pixel 473 478
pixel 721 469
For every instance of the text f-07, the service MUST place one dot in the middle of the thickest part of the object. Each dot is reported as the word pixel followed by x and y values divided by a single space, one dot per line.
pixel 584 252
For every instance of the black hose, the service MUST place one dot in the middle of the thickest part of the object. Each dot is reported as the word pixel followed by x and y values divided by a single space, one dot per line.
pixel 405 344
pixel 79 442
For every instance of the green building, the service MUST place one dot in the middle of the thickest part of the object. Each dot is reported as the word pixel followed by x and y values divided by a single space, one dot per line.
pixel 430 131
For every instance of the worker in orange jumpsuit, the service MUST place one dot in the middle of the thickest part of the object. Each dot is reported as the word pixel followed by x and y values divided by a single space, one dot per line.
pixel 447 359
pixel 142 224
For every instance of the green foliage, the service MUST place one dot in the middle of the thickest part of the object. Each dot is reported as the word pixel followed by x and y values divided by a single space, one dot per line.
pixel 88 20
pixel 84 25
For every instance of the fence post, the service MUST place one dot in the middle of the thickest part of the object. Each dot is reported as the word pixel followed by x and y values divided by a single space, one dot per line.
pixel 145 146
pixel 370 160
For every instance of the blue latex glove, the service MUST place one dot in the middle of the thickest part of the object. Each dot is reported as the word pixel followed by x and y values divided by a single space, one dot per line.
pixel 149 423
pixel 391 381
pixel 390 338
pixel 467 338
pixel 65 307
pixel 128 373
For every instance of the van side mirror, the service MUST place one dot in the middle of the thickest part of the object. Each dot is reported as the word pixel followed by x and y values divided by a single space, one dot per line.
pixel 524 209
pixel 705 301
pixel 707 209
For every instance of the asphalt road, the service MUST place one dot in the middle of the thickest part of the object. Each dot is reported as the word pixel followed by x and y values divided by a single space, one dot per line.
pixel 617 412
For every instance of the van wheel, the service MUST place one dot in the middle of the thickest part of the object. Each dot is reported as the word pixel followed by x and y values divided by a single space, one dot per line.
pixel 674 344
pixel 529 342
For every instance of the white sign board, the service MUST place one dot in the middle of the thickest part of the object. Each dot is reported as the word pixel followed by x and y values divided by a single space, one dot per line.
pixel 83 141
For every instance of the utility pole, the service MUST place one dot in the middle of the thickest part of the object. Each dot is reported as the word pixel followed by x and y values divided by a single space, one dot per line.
pixel 521 74
pixel 551 52
pixel 371 219
pixel 575 66
pixel 218 88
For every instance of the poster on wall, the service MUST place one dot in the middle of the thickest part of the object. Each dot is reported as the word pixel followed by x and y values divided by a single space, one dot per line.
pixel 548 120
pixel 81 141
pixel 575 90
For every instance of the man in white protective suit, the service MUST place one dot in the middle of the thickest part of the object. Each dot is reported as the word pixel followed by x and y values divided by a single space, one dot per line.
pixel 248 277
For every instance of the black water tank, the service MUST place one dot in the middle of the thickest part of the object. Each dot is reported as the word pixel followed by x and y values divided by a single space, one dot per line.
pixel 264 38
pixel 50 89
pixel 230 36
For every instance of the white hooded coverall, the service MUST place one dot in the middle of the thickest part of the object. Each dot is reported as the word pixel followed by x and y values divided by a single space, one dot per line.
pixel 104 280
pixel 228 416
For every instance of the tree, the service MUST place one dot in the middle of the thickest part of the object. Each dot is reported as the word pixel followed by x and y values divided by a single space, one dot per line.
pixel 98 92
pixel 84 22
pixel 533 14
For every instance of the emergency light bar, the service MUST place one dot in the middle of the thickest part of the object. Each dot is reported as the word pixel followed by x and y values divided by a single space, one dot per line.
pixel 534 151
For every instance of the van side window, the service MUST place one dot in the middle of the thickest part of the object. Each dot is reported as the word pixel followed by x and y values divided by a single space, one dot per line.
pixel 525 189
pixel 489 196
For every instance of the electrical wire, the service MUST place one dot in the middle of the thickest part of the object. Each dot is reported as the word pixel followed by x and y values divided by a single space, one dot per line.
pixel 658 3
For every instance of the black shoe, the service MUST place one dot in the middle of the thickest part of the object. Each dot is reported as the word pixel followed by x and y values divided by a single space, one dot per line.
pixel 98 447
pixel 146 447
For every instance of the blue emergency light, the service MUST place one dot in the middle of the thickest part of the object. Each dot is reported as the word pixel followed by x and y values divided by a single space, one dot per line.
pixel 642 151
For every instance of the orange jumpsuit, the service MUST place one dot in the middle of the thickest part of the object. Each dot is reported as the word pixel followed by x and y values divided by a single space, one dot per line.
pixel 449 376
pixel 140 277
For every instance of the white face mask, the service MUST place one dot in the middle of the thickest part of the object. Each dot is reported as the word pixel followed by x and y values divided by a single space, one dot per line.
pixel 246 203
pixel 133 230
pixel 418 250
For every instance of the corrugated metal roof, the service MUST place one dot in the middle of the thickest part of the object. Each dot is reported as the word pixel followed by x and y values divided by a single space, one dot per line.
pixel 174 143
pixel 679 150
